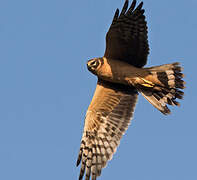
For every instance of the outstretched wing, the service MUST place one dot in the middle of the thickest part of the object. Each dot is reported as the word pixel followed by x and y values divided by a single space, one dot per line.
pixel 127 38
pixel 107 118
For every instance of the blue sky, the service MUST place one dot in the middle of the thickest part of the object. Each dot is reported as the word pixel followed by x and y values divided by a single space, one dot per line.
pixel 45 90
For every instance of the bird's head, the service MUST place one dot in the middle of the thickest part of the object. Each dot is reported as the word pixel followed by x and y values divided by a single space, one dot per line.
pixel 94 64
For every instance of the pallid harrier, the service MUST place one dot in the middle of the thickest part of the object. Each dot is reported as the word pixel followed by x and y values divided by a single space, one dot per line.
pixel 120 77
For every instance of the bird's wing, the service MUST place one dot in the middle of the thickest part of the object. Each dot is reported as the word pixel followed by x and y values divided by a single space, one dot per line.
pixel 127 38
pixel 107 119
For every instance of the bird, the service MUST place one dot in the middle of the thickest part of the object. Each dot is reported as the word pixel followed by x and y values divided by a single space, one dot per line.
pixel 121 78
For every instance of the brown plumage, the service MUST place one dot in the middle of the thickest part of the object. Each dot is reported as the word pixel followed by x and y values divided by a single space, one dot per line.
pixel 107 118
pixel 120 78
pixel 127 38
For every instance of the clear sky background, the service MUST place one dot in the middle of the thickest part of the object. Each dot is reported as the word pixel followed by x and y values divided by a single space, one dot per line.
pixel 45 90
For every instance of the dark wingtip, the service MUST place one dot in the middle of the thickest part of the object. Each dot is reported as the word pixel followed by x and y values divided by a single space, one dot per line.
pixel 126 2
pixel 115 15
pixel 78 160
pixel 80 177
pixel 166 111
pixel 117 12
pixel 124 9
pixel 140 5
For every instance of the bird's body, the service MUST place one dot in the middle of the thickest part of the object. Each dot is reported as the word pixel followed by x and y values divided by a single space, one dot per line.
pixel 119 72
pixel 121 77
pixel 116 71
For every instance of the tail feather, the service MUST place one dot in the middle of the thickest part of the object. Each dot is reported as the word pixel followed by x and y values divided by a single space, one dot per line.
pixel 163 86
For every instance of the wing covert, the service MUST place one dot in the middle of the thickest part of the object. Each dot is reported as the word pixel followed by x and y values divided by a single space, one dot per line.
pixel 127 38
pixel 107 119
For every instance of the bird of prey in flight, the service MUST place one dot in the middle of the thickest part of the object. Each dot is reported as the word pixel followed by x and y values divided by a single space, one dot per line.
pixel 121 77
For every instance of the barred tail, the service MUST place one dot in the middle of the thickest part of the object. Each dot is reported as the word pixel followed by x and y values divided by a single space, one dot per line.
pixel 162 86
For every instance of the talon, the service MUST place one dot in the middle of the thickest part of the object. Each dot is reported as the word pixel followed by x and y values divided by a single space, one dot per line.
pixel 149 82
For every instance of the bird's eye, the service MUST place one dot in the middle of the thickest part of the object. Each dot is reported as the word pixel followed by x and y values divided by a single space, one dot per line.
pixel 93 63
